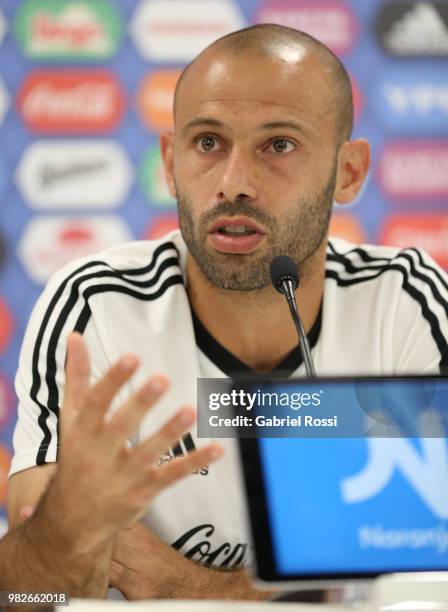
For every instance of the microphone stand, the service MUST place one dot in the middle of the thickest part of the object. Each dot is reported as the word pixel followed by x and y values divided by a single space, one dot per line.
pixel 288 287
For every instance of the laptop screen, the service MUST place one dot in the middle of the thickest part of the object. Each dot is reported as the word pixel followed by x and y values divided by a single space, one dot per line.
pixel 338 507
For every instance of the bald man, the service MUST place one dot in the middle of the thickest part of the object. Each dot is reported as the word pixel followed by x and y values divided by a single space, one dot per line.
pixel 260 151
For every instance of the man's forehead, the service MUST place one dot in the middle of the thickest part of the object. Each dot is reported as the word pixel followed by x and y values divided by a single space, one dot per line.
pixel 299 84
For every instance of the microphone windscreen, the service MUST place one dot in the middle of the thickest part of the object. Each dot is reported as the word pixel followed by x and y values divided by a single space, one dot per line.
pixel 283 268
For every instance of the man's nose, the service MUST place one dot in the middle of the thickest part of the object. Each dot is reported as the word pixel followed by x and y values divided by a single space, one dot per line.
pixel 237 180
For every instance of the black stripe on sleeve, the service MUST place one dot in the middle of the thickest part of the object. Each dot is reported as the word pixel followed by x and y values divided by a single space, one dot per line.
pixel 50 374
pixel 432 269
pixel 36 378
pixel 50 378
pixel 417 295
pixel 80 327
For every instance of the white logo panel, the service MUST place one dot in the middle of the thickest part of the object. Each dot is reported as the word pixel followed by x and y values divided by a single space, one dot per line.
pixel 48 243
pixel 4 101
pixel 74 25
pixel 176 31
pixel 74 174
pixel 3 27
pixel 421 30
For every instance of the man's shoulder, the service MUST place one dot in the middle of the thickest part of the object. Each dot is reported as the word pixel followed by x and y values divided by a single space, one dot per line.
pixel 340 249
pixel 354 263
pixel 397 297
pixel 129 258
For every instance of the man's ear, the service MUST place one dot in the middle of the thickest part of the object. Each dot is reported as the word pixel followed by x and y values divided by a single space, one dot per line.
pixel 167 151
pixel 353 166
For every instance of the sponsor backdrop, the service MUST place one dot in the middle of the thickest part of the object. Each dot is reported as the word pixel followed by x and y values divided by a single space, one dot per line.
pixel 86 86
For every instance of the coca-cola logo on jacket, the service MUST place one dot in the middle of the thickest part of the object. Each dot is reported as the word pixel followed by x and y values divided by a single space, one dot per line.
pixel 71 101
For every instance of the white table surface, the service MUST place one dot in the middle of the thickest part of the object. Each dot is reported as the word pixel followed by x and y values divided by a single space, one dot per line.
pixel 86 605
pixel 418 592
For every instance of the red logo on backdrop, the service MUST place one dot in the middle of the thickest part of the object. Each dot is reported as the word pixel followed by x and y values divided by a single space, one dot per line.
pixel 71 101
pixel 5 461
pixel 410 169
pixel 427 231
pixel 6 325
pixel 160 226
pixel 76 237
pixel 331 22
pixel 49 242
pixel 6 401
pixel 155 98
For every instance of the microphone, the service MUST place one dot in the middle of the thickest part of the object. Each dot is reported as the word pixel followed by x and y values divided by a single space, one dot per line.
pixel 285 279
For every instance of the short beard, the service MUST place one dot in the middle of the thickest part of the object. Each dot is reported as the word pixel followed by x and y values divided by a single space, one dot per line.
pixel 303 231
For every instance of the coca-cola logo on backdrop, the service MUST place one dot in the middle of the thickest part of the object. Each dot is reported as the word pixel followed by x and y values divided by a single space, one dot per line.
pixel 71 101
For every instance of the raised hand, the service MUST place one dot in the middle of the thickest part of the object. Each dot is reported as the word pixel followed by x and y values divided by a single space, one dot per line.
pixel 102 483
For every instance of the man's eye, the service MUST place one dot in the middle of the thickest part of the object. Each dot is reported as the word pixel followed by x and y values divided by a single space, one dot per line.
pixel 282 145
pixel 207 143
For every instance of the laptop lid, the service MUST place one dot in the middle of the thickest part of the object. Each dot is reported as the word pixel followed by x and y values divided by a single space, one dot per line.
pixel 326 506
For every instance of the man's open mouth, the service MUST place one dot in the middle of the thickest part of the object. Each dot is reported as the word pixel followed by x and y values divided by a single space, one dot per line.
pixel 235 226
pixel 237 235
pixel 238 230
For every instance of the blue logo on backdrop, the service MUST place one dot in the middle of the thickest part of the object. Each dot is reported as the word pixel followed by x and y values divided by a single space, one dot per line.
pixel 411 100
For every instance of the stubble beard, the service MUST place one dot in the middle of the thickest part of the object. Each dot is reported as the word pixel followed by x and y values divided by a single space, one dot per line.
pixel 299 236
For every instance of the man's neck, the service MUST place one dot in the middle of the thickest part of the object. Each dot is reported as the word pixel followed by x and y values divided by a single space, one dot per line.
pixel 255 326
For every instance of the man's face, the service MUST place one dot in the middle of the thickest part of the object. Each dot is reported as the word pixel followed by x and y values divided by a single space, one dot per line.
pixel 254 165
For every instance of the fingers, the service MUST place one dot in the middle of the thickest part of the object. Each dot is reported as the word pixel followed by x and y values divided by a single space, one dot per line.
pixel 150 450
pixel 110 383
pixel 90 404
pixel 117 573
pixel 178 468
pixel 144 456
pixel 98 399
pixel 126 420
pixel 77 371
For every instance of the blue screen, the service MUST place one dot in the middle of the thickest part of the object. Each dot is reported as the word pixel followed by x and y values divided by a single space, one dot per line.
pixel 349 505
